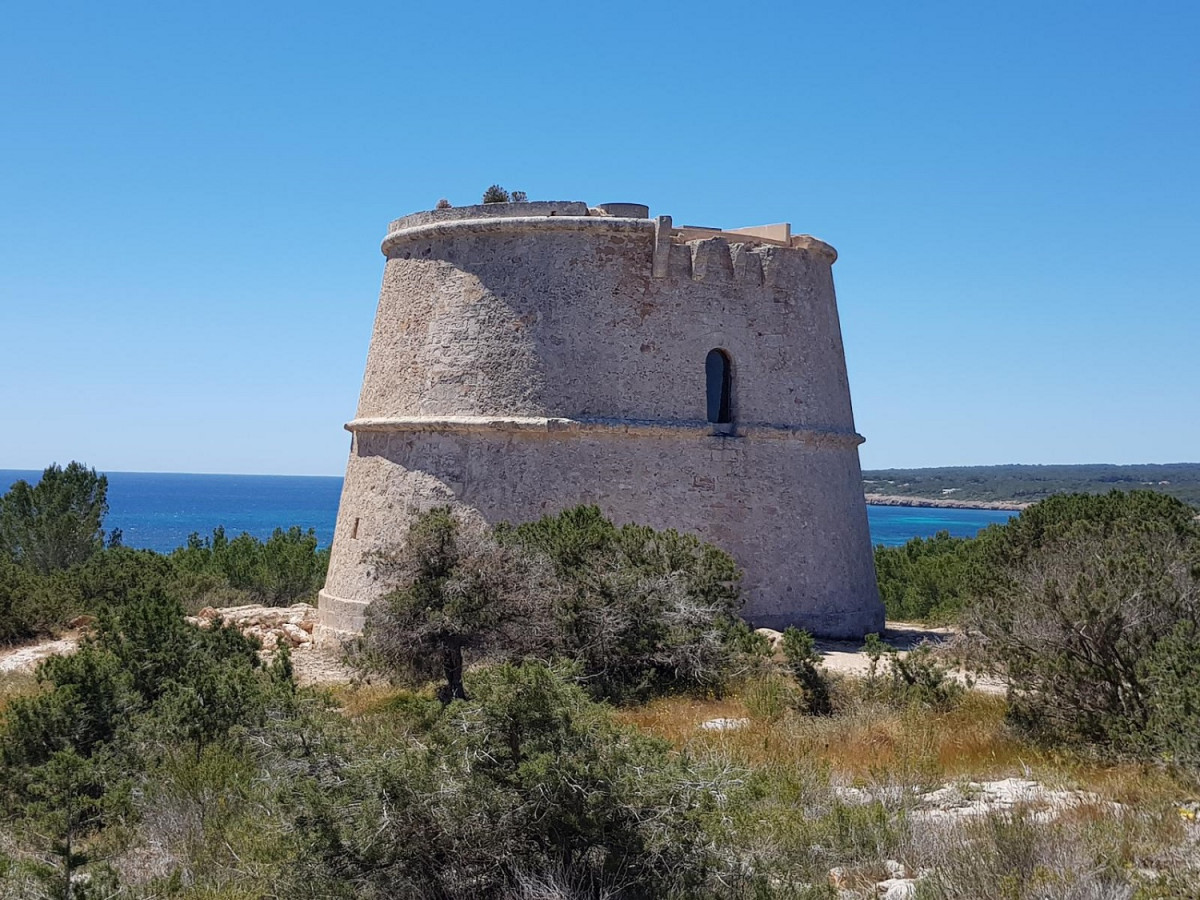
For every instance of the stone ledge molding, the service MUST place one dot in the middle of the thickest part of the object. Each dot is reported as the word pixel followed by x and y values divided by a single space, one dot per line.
pixel 822 437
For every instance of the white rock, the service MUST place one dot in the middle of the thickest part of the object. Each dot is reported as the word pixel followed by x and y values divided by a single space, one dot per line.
pixel 295 634
pixel 897 888
pixel 971 799
pixel 724 724
pixel 895 868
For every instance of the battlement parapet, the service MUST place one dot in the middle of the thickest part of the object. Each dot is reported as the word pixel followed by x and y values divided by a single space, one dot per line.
pixel 524 209
pixel 403 231
pixel 713 248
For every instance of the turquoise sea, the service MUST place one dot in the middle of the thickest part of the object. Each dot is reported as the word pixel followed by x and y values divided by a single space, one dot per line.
pixel 159 510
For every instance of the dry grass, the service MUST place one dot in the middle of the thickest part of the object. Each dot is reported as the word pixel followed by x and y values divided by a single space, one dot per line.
pixel 971 739
pixel 358 701
pixel 794 820
pixel 16 684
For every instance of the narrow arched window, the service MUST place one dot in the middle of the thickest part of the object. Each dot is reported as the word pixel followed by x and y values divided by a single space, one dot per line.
pixel 718 374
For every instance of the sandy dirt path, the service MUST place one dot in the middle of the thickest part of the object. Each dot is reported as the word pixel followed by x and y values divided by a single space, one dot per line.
pixel 26 658
pixel 319 665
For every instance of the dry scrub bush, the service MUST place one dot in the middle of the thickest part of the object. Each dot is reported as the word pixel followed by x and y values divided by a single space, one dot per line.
pixel 528 786
pixel 1096 633
pixel 642 611
pixel 457 590
pixel 1083 854
pixel 645 611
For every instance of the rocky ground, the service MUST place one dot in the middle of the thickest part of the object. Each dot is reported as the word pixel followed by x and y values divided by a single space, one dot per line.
pixel 847 657
pixel 284 626
pixel 290 626
pixel 26 659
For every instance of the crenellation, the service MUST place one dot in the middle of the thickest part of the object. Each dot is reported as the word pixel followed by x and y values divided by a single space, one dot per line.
pixel 711 260
pixel 747 264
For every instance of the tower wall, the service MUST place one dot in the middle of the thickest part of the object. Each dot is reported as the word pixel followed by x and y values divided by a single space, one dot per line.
pixel 530 357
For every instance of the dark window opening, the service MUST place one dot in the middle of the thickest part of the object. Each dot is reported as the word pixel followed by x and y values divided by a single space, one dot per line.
pixel 718 373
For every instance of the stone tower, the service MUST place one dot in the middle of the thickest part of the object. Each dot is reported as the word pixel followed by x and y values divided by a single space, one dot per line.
pixel 528 357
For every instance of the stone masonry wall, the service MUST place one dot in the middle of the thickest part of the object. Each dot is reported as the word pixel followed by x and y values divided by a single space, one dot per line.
pixel 523 363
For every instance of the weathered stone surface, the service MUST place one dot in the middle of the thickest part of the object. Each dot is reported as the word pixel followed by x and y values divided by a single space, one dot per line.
pixel 529 357
pixel 897 888
pixel 272 625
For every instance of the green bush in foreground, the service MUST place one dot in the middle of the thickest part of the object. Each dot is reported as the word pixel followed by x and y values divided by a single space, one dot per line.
pixel 641 611
pixel 528 783
pixel 1090 607
pixel 1088 604
pixel 73 755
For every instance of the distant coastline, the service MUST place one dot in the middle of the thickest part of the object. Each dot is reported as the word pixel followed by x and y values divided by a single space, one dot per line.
pixel 943 502
pixel 1014 487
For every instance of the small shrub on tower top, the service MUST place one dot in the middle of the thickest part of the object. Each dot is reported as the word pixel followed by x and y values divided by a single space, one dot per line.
pixel 496 194
pixel 443 204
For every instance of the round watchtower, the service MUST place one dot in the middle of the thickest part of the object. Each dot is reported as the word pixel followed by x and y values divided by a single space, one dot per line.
pixel 528 357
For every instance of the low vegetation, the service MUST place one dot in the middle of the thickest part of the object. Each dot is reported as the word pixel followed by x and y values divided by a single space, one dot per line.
pixel 497 194
pixel 572 709
pixel 112 784
pixel 57 562
pixel 1087 605
pixel 640 611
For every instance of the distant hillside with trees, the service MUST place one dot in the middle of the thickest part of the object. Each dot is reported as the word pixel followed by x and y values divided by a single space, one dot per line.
pixel 1028 484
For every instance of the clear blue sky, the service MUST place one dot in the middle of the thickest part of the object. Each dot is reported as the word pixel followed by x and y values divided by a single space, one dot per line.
pixel 192 198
